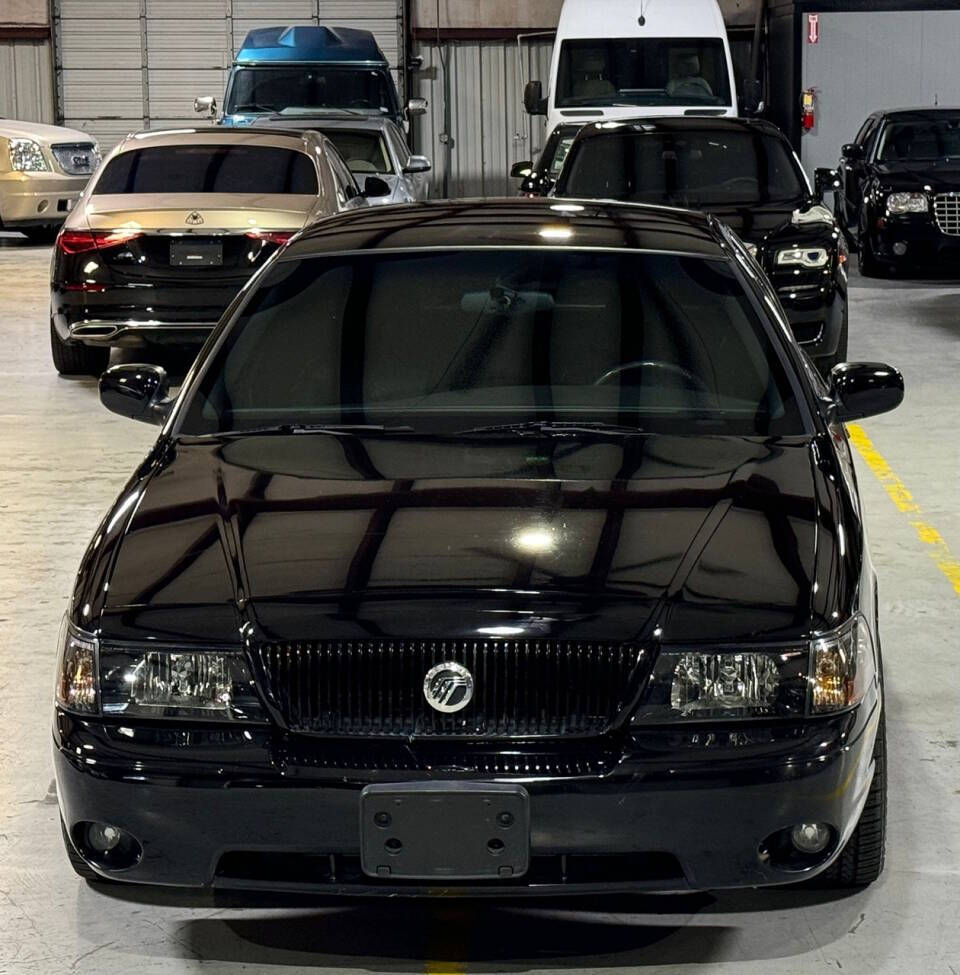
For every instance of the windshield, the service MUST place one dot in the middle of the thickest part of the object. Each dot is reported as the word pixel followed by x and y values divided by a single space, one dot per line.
pixel 209 169
pixel 278 89
pixel 634 71
pixel 363 152
pixel 689 169
pixel 930 139
pixel 560 154
pixel 445 342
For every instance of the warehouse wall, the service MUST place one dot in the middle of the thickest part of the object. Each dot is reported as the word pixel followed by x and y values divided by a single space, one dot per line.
pixel 26 80
pixel 124 65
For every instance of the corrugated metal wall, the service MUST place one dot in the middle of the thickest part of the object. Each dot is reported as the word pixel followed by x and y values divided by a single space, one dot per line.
pixel 123 65
pixel 26 81
pixel 489 128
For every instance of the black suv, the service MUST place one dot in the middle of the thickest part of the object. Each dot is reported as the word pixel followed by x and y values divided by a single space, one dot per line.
pixel 489 548
pixel 745 172
pixel 899 190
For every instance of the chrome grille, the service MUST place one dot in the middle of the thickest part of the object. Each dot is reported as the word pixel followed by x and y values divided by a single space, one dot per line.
pixel 946 208
pixel 76 158
pixel 522 688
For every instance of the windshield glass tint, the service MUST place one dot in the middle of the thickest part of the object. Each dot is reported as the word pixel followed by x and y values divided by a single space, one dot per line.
pixel 928 140
pixel 445 342
pixel 209 169
pixel 283 88
pixel 633 71
pixel 690 169
pixel 363 152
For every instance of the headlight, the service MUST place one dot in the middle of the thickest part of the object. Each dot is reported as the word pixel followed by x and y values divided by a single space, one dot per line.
pixel 907 203
pixel 188 684
pixel 828 675
pixel 26 156
pixel 811 257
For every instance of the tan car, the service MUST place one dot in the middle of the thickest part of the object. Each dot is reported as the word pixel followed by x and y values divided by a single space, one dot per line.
pixel 174 224
pixel 43 171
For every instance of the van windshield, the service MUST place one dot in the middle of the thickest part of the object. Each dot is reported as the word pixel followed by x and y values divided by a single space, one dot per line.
pixel 271 90
pixel 643 71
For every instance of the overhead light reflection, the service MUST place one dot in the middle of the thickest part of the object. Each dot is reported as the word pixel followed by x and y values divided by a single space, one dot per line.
pixel 556 233
pixel 535 541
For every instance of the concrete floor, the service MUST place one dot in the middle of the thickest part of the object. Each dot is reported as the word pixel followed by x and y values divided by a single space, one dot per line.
pixel 62 459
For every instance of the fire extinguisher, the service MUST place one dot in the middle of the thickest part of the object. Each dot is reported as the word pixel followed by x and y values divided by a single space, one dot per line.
pixel 808 109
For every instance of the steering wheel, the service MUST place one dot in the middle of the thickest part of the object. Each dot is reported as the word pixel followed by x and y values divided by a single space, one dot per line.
pixel 690 380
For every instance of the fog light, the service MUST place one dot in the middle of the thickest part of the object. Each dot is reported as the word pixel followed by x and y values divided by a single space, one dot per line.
pixel 103 838
pixel 899 248
pixel 810 838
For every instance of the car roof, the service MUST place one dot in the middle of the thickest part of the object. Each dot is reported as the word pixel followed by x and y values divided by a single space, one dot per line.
pixel 317 44
pixel 687 123
pixel 216 135
pixel 904 114
pixel 514 222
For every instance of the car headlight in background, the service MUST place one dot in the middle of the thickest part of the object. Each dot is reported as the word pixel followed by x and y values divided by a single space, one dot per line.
pixel 828 675
pixel 204 685
pixel 907 203
pixel 809 257
pixel 26 156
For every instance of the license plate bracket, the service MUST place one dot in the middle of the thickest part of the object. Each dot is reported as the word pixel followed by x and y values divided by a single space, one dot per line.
pixel 187 252
pixel 442 831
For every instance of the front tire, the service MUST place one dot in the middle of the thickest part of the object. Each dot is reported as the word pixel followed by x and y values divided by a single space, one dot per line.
pixel 870 267
pixel 75 359
pixel 80 866
pixel 861 861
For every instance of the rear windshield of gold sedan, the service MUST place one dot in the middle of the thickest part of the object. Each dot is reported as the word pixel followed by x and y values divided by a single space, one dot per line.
pixel 444 342
pixel 209 169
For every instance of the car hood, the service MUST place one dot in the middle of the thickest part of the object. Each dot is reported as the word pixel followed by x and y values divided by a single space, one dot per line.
pixel 44 134
pixel 769 225
pixel 297 537
pixel 936 177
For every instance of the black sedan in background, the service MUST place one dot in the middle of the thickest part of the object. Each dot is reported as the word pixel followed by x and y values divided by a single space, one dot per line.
pixel 899 190
pixel 746 173
pixel 490 548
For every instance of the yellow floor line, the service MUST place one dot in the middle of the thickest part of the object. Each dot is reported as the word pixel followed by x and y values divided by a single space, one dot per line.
pixel 445 968
pixel 935 544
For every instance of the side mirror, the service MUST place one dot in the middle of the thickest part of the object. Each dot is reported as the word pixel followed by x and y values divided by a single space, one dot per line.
pixel 825 181
pixel 417 164
pixel 751 96
pixel 521 170
pixel 205 105
pixel 139 392
pixel 417 106
pixel 533 100
pixel 852 151
pixel 374 186
pixel 861 389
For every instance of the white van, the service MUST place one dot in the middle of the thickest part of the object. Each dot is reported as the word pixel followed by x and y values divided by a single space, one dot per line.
pixel 628 58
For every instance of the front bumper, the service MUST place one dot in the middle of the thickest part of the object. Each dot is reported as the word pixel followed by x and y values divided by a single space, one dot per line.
pixel 251 808
pixel 913 240
pixel 37 199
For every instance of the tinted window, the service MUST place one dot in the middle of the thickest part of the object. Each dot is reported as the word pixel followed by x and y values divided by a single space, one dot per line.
pixel 209 169
pixel 363 152
pixel 560 155
pixel 691 169
pixel 443 342
pixel 928 140
pixel 279 89
pixel 632 71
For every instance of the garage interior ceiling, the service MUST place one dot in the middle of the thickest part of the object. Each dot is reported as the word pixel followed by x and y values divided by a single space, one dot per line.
pixel 124 65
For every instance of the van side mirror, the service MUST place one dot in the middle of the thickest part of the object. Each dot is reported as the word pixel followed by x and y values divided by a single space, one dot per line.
pixel 825 181
pixel 751 96
pixel 417 164
pixel 374 186
pixel 533 100
pixel 205 105
pixel 139 392
pixel 852 151
pixel 521 170
pixel 862 389
pixel 417 106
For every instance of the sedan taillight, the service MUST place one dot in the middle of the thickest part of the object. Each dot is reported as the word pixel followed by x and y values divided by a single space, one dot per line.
pixel 81 241
pixel 279 237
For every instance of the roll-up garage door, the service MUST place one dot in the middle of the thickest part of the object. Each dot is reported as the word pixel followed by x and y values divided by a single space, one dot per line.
pixel 124 65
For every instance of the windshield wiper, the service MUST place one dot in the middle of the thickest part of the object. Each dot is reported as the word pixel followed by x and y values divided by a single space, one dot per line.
pixel 292 429
pixel 553 428
pixel 253 107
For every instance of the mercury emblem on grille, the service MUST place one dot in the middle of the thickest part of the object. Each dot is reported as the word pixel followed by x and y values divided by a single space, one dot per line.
pixel 194 219
pixel 448 687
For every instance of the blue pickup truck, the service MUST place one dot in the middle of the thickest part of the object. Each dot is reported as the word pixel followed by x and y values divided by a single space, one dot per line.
pixel 296 71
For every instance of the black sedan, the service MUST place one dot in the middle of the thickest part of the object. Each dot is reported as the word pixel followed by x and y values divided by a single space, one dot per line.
pixel 899 190
pixel 489 548
pixel 745 172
